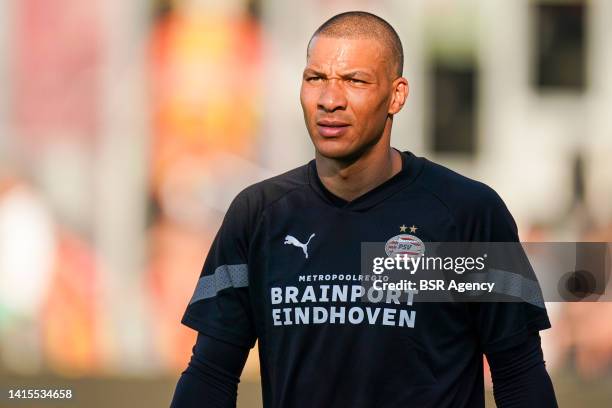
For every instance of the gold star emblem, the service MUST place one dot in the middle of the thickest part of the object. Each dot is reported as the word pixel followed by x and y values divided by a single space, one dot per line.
pixel 413 229
pixel 403 228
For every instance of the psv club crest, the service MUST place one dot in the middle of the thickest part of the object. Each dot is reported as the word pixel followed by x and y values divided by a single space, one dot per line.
pixel 404 244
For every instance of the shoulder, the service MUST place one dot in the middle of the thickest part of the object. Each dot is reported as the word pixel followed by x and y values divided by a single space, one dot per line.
pixel 270 190
pixel 254 199
pixel 456 191
pixel 472 204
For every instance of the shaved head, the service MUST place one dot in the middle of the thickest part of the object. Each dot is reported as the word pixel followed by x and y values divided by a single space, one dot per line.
pixel 360 24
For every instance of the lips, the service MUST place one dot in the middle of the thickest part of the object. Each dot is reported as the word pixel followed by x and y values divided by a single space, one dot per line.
pixel 331 128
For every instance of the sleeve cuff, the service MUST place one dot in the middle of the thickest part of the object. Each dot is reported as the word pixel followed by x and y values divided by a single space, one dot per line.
pixel 222 334
pixel 541 323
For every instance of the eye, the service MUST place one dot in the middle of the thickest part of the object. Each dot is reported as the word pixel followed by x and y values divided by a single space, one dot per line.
pixel 356 81
pixel 313 79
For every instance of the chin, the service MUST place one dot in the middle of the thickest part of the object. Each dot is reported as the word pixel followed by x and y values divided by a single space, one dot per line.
pixel 337 149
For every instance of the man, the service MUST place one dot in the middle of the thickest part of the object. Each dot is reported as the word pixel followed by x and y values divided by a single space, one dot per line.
pixel 284 267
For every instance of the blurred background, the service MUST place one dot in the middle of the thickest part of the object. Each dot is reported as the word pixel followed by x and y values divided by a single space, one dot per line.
pixel 126 128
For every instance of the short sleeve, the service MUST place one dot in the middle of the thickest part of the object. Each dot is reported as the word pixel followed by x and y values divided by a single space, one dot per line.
pixel 220 305
pixel 503 324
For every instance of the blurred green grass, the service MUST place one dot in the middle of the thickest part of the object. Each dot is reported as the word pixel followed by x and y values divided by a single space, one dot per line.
pixel 135 392
pixel 104 392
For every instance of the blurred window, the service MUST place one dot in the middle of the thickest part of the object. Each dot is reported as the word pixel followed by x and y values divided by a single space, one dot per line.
pixel 453 99
pixel 560 54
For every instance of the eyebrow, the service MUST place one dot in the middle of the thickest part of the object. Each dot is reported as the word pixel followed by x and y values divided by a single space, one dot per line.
pixel 347 75
pixel 357 73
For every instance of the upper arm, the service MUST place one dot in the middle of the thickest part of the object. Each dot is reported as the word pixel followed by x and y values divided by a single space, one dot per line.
pixel 516 307
pixel 220 306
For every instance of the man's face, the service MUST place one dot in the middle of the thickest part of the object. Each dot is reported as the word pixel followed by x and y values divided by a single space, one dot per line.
pixel 347 94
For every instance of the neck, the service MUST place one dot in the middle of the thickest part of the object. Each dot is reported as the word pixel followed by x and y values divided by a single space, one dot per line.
pixel 349 180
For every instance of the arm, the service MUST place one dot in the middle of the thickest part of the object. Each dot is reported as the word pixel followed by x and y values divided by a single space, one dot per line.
pixel 519 376
pixel 212 376
pixel 220 311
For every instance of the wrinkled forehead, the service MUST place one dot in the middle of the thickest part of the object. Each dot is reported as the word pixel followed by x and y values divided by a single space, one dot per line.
pixel 326 52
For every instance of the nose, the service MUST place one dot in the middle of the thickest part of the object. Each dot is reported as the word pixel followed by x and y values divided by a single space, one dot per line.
pixel 332 96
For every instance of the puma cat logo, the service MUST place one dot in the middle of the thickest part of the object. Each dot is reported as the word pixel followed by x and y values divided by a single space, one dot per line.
pixel 290 239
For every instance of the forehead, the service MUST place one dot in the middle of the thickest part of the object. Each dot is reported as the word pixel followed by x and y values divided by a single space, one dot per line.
pixel 347 53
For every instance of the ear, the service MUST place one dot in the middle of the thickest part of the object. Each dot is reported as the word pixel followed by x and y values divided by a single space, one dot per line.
pixel 400 89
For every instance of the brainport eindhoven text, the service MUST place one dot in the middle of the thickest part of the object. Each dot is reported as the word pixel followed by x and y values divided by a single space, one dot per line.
pixel 351 304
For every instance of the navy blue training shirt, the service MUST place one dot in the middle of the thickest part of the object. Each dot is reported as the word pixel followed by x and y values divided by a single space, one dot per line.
pixel 284 269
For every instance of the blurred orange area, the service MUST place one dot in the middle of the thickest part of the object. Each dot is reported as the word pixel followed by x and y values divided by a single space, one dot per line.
pixel 176 257
pixel 206 88
pixel 205 70
pixel 71 314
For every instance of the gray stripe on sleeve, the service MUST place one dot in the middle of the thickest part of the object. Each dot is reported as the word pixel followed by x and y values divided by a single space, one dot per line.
pixel 225 276
pixel 513 284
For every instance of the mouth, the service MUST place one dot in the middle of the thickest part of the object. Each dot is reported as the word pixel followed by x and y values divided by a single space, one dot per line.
pixel 331 128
